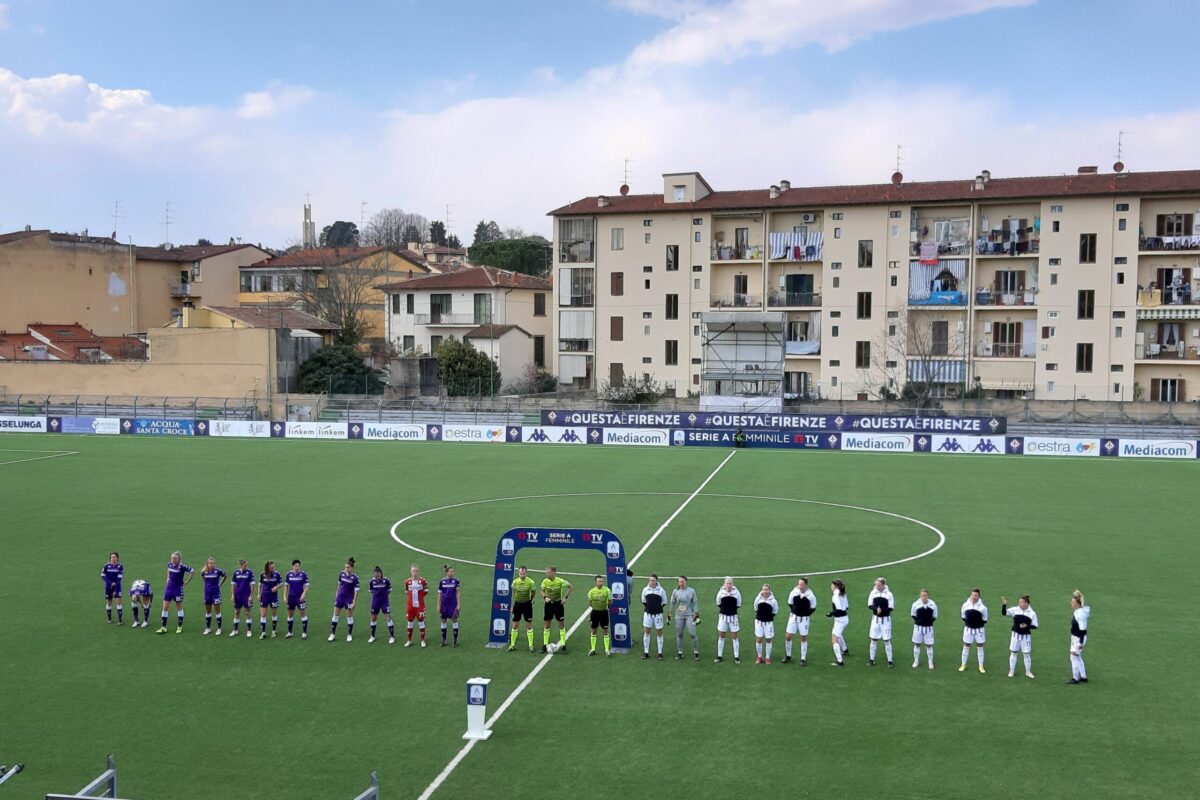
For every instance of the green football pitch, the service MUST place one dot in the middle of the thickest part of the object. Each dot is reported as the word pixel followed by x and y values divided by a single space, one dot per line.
pixel 190 716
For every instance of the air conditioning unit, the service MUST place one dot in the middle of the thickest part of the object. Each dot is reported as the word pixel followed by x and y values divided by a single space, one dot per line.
pixel 808 217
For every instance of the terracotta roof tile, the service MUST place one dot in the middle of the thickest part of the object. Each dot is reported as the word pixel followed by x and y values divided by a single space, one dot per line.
pixel 470 278
pixel 282 317
pixel 492 331
pixel 190 252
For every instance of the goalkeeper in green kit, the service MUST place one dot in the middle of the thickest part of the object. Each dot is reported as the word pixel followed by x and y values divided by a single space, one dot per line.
pixel 599 599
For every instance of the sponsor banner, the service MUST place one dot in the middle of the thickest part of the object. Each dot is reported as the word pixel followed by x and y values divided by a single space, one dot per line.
pixel 723 437
pixel 10 424
pixel 158 427
pixel 642 437
pixel 433 433
pixel 105 426
pixel 975 445
pixel 315 430
pixel 1061 446
pixel 865 423
pixel 383 431
pixel 1157 448
pixel 473 433
pixel 549 434
pixel 878 442
pixel 239 428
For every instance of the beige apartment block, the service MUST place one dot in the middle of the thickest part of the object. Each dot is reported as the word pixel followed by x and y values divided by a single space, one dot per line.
pixel 1082 286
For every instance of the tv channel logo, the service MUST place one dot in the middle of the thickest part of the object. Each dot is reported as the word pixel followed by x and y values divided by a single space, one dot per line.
pixel 614 549
pixel 502 587
pixel 499 627
pixel 618 590
pixel 507 547
pixel 621 632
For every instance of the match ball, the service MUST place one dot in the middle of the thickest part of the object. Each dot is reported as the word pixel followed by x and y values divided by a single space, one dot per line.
pixel 552 648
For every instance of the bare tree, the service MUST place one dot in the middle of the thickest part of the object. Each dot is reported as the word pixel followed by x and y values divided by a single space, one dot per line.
pixel 342 291
pixel 515 233
pixel 395 227
pixel 926 339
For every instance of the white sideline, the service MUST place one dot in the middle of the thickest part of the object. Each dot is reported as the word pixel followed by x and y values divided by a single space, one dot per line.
pixel 52 454
pixel 508 701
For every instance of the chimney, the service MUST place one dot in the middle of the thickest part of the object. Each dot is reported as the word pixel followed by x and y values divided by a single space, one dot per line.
pixel 602 201
pixel 774 191
pixel 28 228
pixel 784 186
pixel 979 183
pixel 1088 170
pixel 987 175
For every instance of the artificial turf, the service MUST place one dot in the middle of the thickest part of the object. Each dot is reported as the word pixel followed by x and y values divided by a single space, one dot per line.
pixel 192 717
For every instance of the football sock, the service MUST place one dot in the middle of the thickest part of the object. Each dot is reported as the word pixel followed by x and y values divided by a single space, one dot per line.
pixel 290 623
pixel 349 626
pixel 529 636
pixel 593 639
pixel 929 654
pixel 443 632
pixel 235 624
pixel 1012 662
pixel 373 626
pixel 513 639
pixel 545 636
pixel 304 624
pixel 455 632
pixel 422 631
pixel 720 648
pixel 108 610
pixel 179 618
pixel 768 650
pixel 135 617
pixel 916 653
pixel 333 626
pixel 410 631
pixel 966 655
pixel 979 655
pixel 679 640
pixel 837 652
pixel 758 649
pixel 274 622
pixel 842 642
pixel 391 629
pixel 607 643
pixel 660 644
pixel 1082 668
pixel 562 636
pixel 1028 663
pixel 120 613
pixel 873 643
pixel 787 648
pixel 218 621
pixel 803 650
pixel 645 643
pixel 208 620
pixel 736 649
pixel 695 645
pixel 262 625
pixel 164 619
pixel 887 648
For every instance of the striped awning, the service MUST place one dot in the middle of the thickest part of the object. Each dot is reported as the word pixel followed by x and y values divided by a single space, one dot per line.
pixel 931 371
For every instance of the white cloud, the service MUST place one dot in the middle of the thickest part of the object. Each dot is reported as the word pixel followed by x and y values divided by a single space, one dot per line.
pixel 278 98
pixel 734 29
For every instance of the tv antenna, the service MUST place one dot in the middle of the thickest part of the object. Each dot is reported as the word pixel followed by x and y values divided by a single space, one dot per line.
pixel 628 174
pixel 116 215
pixel 362 216
pixel 448 207
pixel 1120 165
pixel 166 223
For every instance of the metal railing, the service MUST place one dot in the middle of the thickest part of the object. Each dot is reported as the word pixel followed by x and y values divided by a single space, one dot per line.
pixel 783 299
pixel 1159 243
pixel 463 320
pixel 736 301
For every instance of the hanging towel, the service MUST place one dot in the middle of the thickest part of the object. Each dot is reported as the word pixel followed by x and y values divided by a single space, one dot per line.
pixel 929 253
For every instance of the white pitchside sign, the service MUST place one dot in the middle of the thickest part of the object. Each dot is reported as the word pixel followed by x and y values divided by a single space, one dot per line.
pixel 477 709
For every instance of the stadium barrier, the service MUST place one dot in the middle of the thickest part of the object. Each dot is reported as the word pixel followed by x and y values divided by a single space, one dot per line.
pixel 105 786
pixel 982 436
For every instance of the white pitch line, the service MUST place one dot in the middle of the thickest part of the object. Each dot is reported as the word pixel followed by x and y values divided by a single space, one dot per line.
pixel 52 454
pixel 508 701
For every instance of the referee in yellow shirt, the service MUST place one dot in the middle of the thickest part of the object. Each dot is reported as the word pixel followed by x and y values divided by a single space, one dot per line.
pixel 600 601
pixel 555 593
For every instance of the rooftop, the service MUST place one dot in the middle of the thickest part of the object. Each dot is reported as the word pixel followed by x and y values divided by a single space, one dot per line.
pixel 323 256
pixel 492 331
pixel 470 278
pixel 190 252
pixel 66 238
pixel 281 317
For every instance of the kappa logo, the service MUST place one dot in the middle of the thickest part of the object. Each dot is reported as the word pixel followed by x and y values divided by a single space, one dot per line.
pixel 569 436
pixel 538 435
pixel 950 446
pixel 985 446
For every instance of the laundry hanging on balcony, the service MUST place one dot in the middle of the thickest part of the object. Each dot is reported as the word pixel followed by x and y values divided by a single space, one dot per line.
pixel 795 246
pixel 929 253
pixel 942 278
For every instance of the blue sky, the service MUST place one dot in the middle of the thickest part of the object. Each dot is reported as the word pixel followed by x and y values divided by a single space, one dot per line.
pixel 234 111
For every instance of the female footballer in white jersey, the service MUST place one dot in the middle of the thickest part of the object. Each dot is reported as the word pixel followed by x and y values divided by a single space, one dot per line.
pixel 729 600
pixel 882 603
pixel 765 609
pixel 924 614
pixel 840 611
pixel 1079 629
pixel 801 605
pixel 974 616
pixel 1025 622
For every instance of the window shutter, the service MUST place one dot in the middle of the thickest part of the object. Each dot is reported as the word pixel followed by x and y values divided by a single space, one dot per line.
pixel 616 329
pixel 1180 391
pixel 1155 384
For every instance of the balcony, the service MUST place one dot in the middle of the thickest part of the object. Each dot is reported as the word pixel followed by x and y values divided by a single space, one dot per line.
pixel 1005 350
pixel 930 249
pixel 939 298
pixel 796 246
pixel 184 290
pixel 578 301
pixel 1158 244
pixel 736 301
pixel 1172 296
pixel 987 247
pixel 722 252
pixel 576 252
pixel 455 320
pixel 574 345
pixel 794 300
pixel 799 348
pixel 987 297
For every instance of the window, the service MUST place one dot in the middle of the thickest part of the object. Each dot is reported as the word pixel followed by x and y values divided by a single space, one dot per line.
pixel 616 283
pixel 1010 281
pixel 837 233
pixel 647 269
pixel 1083 357
pixel 395 304
pixel 1056 262
pixel 616 374
pixel 672 354
pixel 1054 226
pixel 1055 209
pixel 646 284
pixel 866 253
pixel 539 304
pixel 894 214
pixel 697 268
pixel 940 338
pixel 1166 390
pixel 697 361
pixel 576 241
pixel 1087 248
pixel 1121 224
pixel 891 330
pixel 864 305
pixel 836 362
pixel 410 303
pixel 647 238
pixel 696 237
pixel 893 315
pixel 672 306
pixel 1175 224
pixel 833 331
pixel 1054 279
pixel 1118 315
pixel 837 282
pixel 410 344
pixel 893 281
pixel 695 330
pixel 1116 388
pixel 679 193
pixel 836 265
pixel 1052 315
pixel 836 215
pixel 1117 368
pixel 893 265
pixel 1122 206
pixel 439 305
pixel 672 258
pixel 835 314
pixel 1117 332
pixel 539 352
pixel 617 239
pixel 890 364
pixel 1047 331
pixel 616 329
pixel 1006 339
pixel 483 308
pixel 1120 278
pixel 695 283
pixel 1120 260
pixel 646 223
pixel 697 221
pixel 1086 305
pixel 434 343
pixel 1051 367
pixel 646 332
pixel 862 355
pixel 647 315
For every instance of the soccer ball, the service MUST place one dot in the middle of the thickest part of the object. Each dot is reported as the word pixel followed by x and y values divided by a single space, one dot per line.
pixel 552 648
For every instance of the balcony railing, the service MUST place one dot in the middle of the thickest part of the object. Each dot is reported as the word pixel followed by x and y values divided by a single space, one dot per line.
pixel 1008 247
pixel 1005 350
pixel 462 320
pixel 1171 296
pixel 731 253
pixel 1159 243
pixel 579 301
pixel 943 249
pixel 1023 297
pixel 784 299
pixel 940 299
pixel 736 301
pixel 574 345
pixel 183 290
pixel 1183 351
pixel 576 252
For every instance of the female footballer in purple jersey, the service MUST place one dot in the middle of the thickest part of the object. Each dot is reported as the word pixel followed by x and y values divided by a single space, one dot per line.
pixel 268 597
pixel 112 573
pixel 380 587
pixel 141 596
pixel 213 578
pixel 243 596
pixel 346 598
pixel 449 598
pixel 179 575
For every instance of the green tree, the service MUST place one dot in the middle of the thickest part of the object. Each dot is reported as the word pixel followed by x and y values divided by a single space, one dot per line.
pixel 464 371
pixel 530 255
pixel 453 241
pixel 437 233
pixel 338 369
pixel 340 234
pixel 202 242
pixel 486 232
pixel 414 233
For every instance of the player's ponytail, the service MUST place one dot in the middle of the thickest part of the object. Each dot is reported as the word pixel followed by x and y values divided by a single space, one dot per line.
pixel 1077 596
pixel 350 561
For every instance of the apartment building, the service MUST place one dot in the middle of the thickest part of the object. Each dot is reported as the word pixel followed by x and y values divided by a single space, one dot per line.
pixel 504 314
pixel 1079 286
